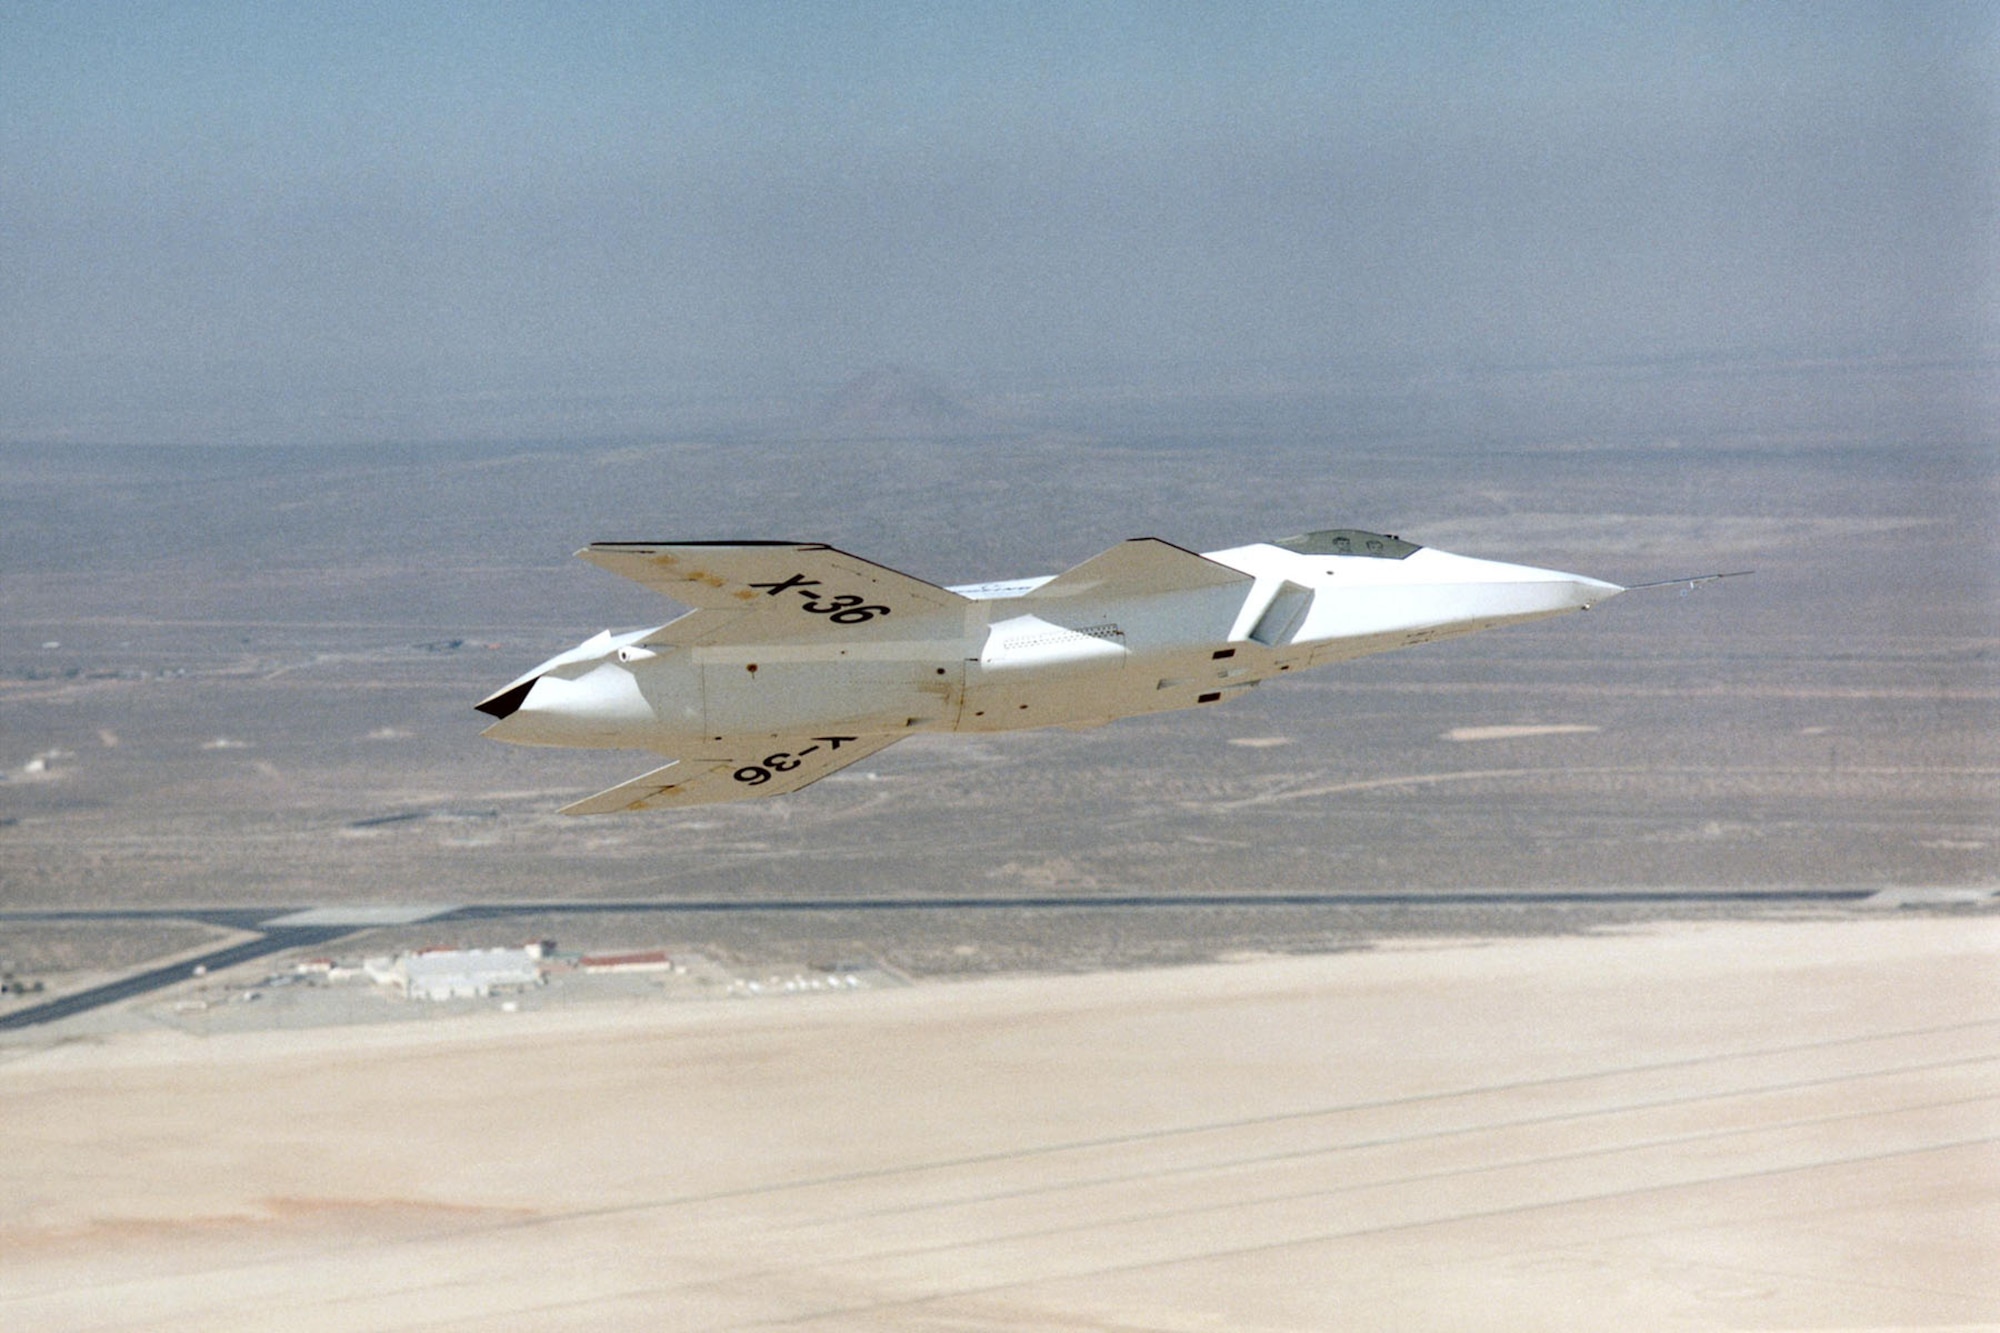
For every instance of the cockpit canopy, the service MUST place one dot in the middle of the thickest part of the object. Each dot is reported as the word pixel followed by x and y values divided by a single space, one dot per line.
pixel 1350 541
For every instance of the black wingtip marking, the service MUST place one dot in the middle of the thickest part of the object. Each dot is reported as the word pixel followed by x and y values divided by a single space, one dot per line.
pixel 505 703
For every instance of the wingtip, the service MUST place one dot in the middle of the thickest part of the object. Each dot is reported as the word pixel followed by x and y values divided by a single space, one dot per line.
pixel 507 702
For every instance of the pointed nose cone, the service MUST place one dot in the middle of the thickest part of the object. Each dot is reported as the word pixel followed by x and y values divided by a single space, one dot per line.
pixel 1586 592
pixel 1442 589
pixel 1552 592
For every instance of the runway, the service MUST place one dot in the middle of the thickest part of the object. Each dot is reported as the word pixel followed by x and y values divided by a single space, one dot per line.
pixel 283 928
pixel 1742 1125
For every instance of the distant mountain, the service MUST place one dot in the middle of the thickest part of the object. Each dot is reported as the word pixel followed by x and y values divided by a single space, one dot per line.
pixel 897 401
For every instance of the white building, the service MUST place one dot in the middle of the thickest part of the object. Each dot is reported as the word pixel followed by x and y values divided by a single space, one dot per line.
pixel 458 974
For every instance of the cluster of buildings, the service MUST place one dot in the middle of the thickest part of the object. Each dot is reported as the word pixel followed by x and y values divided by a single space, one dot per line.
pixel 465 974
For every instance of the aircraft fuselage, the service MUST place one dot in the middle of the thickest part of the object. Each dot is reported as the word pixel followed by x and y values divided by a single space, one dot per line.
pixel 835 657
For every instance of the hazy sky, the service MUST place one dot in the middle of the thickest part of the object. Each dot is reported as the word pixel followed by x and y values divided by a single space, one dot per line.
pixel 326 220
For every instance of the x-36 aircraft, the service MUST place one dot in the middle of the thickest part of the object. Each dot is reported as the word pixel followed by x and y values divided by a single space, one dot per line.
pixel 800 659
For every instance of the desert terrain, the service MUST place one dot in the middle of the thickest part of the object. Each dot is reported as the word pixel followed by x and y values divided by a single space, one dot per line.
pixel 1749 1125
pixel 244 676
pixel 1636 966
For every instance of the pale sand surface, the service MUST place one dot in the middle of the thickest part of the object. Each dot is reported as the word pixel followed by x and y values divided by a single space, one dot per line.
pixel 1756 1125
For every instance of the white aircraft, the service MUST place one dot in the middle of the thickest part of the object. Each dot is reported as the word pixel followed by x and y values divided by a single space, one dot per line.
pixel 800 659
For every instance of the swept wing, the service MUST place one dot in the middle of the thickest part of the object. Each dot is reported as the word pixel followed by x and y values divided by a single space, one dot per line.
pixel 774 591
pixel 768 767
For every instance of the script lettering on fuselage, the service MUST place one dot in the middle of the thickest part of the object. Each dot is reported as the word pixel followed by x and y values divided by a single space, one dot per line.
pixel 846 609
